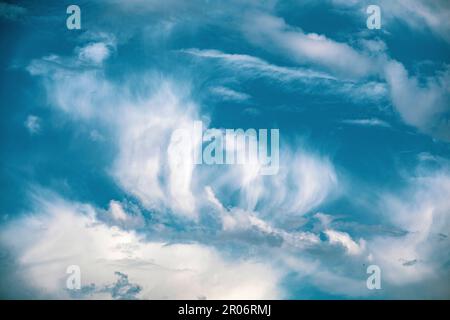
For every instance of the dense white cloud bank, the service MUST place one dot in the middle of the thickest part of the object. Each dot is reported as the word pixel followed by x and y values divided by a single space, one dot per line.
pixel 59 234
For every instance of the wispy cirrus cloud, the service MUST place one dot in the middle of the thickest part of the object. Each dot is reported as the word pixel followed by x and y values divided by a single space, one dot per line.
pixel 258 67
pixel 229 94
pixel 146 243
pixel 425 105
pixel 367 122
pixel 425 217
pixel 274 34
pixel 154 174
pixel 420 104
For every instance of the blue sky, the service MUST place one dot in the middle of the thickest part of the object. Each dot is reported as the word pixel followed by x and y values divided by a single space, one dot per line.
pixel 89 174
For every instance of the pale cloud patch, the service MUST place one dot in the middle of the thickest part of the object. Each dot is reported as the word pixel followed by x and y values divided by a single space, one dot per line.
pixel 344 239
pixel 116 210
pixel 77 92
pixel 256 67
pixel 371 122
pixel 229 94
pixel 33 124
pixel 424 106
pixel 94 53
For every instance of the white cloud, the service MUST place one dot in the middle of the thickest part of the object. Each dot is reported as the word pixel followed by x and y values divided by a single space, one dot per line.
pixel 76 84
pixel 158 170
pixel 117 211
pixel 33 124
pixel 257 67
pixel 77 92
pixel 235 220
pixel 94 53
pixel 150 164
pixel 330 279
pixel 304 182
pixel 421 15
pixel 344 239
pixel 365 92
pixel 423 106
pixel 147 165
pixel 59 234
pixel 274 34
pixel 423 210
pixel 125 214
pixel 372 122
pixel 229 94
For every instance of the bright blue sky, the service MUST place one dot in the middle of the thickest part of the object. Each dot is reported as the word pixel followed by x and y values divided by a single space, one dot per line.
pixel 87 174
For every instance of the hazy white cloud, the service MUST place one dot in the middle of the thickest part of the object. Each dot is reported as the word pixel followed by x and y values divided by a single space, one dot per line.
pixel 155 167
pixel 76 84
pixel 235 220
pixel 274 34
pixel 94 53
pixel 257 67
pixel 330 279
pixel 150 163
pixel 420 15
pixel 372 122
pixel 147 164
pixel 33 124
pixel 158 169
pixel 365 92
pixel 59 234
pixel 424 106
pixel 304 182
pixel 344 239
pixel 229 94
pixel 423 210
pixel 125 214
pixel 78 91
pixel 117 211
